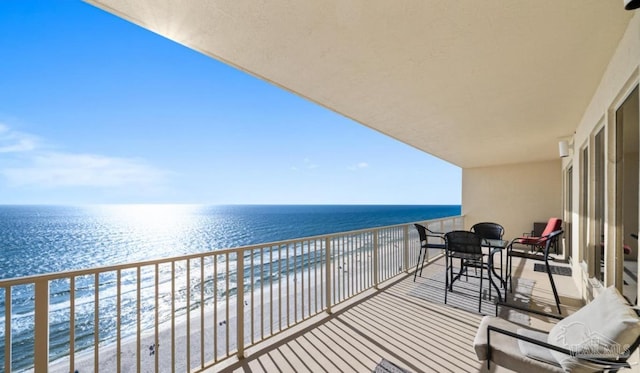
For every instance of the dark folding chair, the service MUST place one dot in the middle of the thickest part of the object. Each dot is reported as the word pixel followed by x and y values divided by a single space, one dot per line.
pixel 493 231
pixel 424 234
pixel 537 243
pixel 550 240
pixel 466 246
pixel 490 231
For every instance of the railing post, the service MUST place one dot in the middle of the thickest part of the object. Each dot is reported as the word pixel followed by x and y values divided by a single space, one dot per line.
pixel 41 327
pixel 327 254
pixel 375 259
pixel 406 248
pixel 7 328
pixel 240 302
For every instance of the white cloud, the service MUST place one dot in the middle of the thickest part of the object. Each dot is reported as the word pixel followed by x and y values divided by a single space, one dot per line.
pixel 15 142
pixel 55 169
pixel 310 165
pixel 31 165
pixel 358 166
pixel 306 164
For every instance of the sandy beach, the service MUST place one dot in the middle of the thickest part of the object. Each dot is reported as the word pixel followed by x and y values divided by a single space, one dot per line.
pixel 217 334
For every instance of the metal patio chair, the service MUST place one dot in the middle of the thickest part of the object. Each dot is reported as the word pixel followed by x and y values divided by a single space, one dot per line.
pixel 425 234
pixel 467 247
pixel 549 240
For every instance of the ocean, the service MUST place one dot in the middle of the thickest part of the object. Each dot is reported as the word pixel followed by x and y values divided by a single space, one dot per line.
pixel 46 239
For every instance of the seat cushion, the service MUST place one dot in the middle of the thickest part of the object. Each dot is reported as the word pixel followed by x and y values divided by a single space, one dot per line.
pixel 505 350
pixel 530 241
pixel 586 333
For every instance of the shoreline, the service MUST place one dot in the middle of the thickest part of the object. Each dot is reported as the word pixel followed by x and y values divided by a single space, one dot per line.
pixel 274 313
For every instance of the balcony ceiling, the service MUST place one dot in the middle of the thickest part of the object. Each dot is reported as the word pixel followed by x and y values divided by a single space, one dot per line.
pixel 476 83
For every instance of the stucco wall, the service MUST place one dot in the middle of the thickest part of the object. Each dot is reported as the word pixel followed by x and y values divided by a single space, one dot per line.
pixel 513 195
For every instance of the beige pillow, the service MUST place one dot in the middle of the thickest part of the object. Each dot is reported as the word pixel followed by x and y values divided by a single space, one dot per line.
pixel 606 327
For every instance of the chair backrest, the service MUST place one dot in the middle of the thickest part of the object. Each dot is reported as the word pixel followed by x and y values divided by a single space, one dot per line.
pixel 425 233
pixel 606 330
pixel 463 242
pixel 551 240
pixel 492 231
pixel 422 232
pixel 554 224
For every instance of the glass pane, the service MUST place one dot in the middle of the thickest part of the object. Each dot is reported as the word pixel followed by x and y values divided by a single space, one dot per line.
pixel 599 154
pixel 627 124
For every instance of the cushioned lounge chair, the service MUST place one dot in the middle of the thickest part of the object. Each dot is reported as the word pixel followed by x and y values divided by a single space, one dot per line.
pixel 537 243
pixel 550 240
pixel 599 337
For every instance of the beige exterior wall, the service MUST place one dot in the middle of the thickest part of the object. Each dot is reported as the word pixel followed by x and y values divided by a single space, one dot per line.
pixel 617 82
pixel 514 196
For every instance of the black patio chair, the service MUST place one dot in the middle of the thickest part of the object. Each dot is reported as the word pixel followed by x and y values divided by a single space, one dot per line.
pixel 492 231
pixel 550 240
pixel 424 234
pixel 467 247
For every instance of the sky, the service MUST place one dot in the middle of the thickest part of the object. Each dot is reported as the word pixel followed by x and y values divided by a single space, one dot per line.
pixel 96 110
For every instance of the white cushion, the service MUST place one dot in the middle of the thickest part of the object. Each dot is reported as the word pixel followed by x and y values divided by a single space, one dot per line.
pixel 603 328
pixel 532 350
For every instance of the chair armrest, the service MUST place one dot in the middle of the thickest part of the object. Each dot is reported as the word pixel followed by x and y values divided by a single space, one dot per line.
pixel 519 308
pixel 534 341
pixel 605 363
pixel 434 233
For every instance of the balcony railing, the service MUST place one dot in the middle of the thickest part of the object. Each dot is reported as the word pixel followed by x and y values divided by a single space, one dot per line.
pixel 193 311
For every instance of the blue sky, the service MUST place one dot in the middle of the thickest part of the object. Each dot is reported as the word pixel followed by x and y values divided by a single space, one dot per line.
pixel 94 109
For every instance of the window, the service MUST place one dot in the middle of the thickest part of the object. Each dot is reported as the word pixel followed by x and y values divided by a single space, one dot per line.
pixel 627 181
pixel 598 216
pixel 584 200
pixel 568 211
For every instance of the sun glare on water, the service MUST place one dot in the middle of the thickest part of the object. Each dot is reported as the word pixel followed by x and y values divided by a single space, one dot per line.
pixel 160 229
pixel 152 215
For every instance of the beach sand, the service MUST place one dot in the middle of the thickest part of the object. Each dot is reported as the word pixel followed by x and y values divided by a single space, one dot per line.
pixel 217 332
pixel 202 333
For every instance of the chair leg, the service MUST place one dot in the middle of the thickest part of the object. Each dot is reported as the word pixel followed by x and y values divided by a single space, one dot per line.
pixel 466 271
pixel 418 265
pixel 501 267
pixel 480 298
pixel 553 287
pixel 424 257
pixel 489 278
pixel 446 277
pixel 450 274
pixel 509 281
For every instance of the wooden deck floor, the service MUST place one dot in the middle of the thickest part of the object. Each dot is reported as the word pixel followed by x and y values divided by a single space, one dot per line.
pixel 393 324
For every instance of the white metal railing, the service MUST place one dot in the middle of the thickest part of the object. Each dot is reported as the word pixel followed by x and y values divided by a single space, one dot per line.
pixel 193 311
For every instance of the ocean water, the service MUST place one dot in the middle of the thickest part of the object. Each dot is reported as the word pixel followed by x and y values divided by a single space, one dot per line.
pixel 46 239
